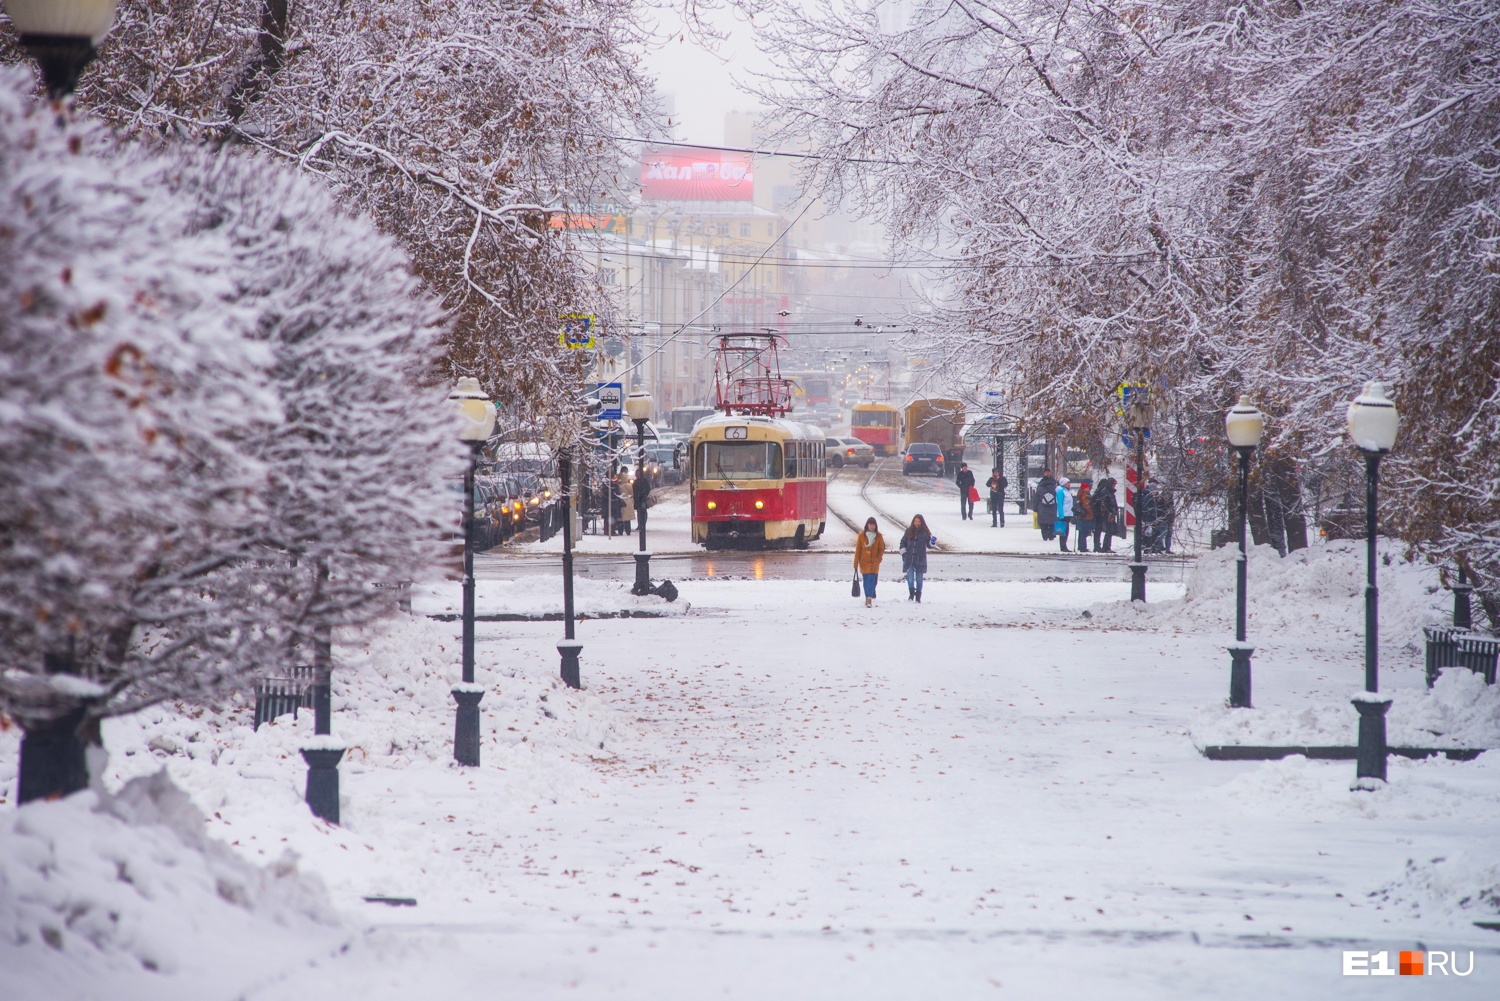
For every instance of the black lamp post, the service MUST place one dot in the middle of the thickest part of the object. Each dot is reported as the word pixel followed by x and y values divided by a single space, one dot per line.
pixel 569 648
pixel 1138 418
pixel 61 36
pixel 477 414
pixel 638 409
pixel 999 471
pixel 1244 425
pixel 1373 421
pixel 1463 609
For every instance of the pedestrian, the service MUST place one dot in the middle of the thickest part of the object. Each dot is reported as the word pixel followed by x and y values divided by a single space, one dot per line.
pixel 1106 513
pixel 1045 503
pixel 965 481
pixel 1083 516
pixel 869 548
pixel 617 507
pixel 915 542
pixel 996 484
pixel 641 496
pixel 1064 514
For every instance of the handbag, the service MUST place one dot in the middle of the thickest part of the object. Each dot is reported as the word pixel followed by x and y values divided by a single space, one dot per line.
pixel 973 495
pixel 854 588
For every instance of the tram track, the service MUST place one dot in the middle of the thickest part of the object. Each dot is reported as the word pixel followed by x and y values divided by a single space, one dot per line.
pixel 864 495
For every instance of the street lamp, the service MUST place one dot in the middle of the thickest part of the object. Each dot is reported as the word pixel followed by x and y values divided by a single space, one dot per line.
pixel 61 35
pixel 638 409
pixel 1373 421
pixel 1138 417
pixel 477 415
pixel 1244 425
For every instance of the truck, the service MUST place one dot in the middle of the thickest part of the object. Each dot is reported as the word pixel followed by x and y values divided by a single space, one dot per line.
pixel 937 422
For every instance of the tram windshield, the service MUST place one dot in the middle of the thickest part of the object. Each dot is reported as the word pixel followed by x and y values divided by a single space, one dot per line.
pixel 739 460
pixel 871 419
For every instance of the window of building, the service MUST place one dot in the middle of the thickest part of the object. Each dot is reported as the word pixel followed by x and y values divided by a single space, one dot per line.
pixel 744 229
pixel 606 276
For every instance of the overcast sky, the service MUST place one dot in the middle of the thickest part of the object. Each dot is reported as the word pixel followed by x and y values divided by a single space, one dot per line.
pixel 706 84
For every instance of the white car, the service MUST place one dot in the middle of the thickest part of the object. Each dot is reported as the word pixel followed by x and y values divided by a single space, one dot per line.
pixel 839 451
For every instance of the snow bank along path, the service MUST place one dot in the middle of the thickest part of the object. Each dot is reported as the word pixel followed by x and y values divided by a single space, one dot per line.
pixel 785 795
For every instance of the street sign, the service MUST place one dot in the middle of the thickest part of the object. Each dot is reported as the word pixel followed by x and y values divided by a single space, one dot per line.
pixel 1128 441
pixel 611 401
pixel 578 332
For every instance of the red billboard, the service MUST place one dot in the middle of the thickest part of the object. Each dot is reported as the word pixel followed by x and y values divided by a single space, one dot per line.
pixel 697 176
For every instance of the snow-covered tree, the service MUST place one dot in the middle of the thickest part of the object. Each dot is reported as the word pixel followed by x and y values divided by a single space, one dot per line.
pixel 214 426
pixel 1212 198
pixel 126 383
pixel 460 128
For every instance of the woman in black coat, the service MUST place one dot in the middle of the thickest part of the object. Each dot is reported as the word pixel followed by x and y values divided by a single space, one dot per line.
pixel 915 542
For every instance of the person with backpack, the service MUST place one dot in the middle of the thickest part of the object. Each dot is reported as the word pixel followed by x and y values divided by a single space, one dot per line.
pixel 996 484
pixel 1083 516
pixel 1106 514
pixel 1045 504
pixel 869 550
pixel 965 481
pixel 915 542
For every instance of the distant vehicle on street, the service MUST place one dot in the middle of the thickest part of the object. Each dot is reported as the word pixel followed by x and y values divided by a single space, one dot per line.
pixel 848 451
pixel 757 482
pixel 923 457
pixel 937 422
pixel 683 418
pixel 664 461
pixel 875 425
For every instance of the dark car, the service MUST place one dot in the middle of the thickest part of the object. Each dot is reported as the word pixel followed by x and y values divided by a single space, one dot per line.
pixel 923 458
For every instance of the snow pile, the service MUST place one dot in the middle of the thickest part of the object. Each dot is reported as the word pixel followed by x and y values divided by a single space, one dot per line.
pixel 537 595
pixel 129 887
pixel 542 743
pixel 1453 884
pixel 1417 790
pixel 1314 595
pixel 1459 711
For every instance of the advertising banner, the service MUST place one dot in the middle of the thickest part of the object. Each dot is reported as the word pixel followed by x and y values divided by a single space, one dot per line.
pixel 702 176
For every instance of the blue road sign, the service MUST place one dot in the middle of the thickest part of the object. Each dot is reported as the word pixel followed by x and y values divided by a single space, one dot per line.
pixel 611 401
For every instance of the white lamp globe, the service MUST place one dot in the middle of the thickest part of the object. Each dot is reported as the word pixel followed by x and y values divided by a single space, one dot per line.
pixel 1244 424
pixel 1373 419
pixel 90 19
pixel 475 409
pixel 638 405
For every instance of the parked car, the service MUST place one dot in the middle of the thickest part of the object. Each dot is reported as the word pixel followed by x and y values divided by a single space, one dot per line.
pixel 923 457
pixel 838 451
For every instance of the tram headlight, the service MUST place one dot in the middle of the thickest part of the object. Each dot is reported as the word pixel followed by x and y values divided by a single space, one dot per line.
pixel 713 505
pixel 759 505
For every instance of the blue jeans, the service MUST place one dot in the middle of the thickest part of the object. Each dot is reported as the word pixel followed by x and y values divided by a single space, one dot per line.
pixel 914 580
pixel 870 579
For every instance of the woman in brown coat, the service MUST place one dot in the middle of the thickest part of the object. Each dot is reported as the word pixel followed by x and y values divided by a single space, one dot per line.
pixel 869 548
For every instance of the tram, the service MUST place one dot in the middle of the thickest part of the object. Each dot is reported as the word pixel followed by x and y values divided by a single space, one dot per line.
pixel 757 481
pixel 877 425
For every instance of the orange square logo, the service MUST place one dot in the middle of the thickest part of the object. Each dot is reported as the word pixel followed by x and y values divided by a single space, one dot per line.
pixel 1411 964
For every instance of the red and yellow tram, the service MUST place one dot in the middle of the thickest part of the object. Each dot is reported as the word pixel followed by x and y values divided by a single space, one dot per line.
pixel 757 481
pixel 877 425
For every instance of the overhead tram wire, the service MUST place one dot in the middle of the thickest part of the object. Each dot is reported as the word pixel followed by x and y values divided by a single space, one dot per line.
pixel 758 152
pixel 716 299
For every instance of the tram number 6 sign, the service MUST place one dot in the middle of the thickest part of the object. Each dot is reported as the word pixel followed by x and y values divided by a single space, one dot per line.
pixel 736 434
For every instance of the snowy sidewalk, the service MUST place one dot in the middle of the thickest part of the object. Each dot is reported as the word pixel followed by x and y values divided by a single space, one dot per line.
pixel 785 795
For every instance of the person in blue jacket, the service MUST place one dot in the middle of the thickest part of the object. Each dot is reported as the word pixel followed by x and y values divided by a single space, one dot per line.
pixel 1064 514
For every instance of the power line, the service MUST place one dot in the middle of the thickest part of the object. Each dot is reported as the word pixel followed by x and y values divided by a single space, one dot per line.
pixel 758 152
